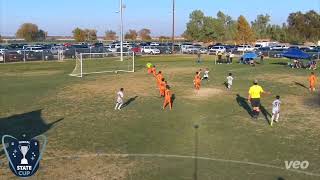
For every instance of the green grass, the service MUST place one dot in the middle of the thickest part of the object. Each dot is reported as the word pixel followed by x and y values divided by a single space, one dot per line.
pixel 89 124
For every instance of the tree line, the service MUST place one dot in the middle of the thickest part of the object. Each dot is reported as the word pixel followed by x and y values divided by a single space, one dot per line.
pixel 300 27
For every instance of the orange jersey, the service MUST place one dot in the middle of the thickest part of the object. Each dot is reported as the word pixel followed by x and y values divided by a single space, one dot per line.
pixel 159 78
pixel 149 70
pixel 163 85
pixel 167 95
pixel 312 79
pixel 154 71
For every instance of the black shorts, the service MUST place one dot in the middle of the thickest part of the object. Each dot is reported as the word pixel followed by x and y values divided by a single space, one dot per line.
pixel 255 102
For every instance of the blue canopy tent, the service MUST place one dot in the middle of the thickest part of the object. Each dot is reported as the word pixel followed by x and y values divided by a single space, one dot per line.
pixel 296 54
pixel 249 55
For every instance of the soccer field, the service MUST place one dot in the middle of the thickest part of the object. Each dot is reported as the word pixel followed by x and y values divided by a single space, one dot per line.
pixel 88 139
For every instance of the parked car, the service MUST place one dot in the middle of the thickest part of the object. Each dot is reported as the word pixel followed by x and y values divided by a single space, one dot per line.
pixel 257 46
pixel 12 56
pixel 217 49
pixel 245 48
pixel 150 50
pixel 192 49
pixel 279 47
pixel 2 50
pixel 154 44
pixel 203 50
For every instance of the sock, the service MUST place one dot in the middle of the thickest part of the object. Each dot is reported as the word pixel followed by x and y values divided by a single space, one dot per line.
pixel 116 106
pixel 119 106
pixel 277 117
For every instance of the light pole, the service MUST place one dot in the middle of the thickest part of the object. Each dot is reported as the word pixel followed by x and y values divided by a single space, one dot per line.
pixel 121 30
pixel 173 9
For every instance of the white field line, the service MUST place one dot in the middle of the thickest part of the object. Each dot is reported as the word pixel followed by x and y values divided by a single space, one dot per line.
pixel 185 157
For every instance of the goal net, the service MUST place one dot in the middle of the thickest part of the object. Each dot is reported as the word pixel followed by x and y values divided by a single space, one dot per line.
pixel 94 63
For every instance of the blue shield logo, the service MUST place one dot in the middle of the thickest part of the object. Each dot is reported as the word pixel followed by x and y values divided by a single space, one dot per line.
pixel 23 155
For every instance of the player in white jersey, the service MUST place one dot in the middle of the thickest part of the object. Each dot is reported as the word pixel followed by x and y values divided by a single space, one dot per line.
pixel 229 81
pixel 275 110
pixel 120 96
pixel 206 74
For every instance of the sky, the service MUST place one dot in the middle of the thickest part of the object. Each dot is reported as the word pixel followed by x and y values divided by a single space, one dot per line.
pixel 60 17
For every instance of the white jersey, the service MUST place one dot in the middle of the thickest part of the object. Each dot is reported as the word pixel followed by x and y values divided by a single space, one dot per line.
pixel 229 80
pixel 120 97
pixel 206 74
pixel 276 106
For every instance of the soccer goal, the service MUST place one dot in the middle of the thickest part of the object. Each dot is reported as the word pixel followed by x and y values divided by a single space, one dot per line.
pixel 95 63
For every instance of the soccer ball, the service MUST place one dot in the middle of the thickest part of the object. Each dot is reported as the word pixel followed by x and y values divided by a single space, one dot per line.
pixel 116 72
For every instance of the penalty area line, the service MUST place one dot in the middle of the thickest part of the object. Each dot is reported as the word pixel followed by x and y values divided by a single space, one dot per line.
pixel 184 157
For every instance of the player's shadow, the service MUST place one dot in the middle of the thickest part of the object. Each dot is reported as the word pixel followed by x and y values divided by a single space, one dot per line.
pixel 265 113
pixel 242 102
pixel 299 84
pixel 30 123
pixel 129 101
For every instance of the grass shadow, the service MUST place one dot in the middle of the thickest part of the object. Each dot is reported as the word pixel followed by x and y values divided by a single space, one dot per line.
pixel 301 85
pixel 265 113
pixel 242 102
pixel 129 101
pixel 30 123
pixel 280 63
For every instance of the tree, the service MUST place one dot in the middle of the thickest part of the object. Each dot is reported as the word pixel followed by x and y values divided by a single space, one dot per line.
pixel 145 34
pixel 244 31
pixel 28 31
pixel 164 38
pixel 41 35
pixel 259 26
pixel 110 35
pixel 302 27
pixel 227 27
pixel 91 34
pixel 195 25
pixel 131 34
pixel 79 35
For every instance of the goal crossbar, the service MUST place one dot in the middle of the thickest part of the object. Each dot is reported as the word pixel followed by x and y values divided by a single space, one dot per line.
pixel 105 60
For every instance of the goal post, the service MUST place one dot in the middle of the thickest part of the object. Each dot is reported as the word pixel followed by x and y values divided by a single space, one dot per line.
pixel 95 63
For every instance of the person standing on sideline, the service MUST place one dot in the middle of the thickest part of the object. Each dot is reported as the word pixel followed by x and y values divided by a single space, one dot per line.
pixel 312 82
pixel 231 55
pixel 261 58
pixel 275 110
pixel 229 81
pixel 198 57
pixel 254 96
pixel 120 96
pixel 228 57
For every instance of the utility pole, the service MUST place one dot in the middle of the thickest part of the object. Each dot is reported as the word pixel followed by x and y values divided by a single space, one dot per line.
pixel 173 11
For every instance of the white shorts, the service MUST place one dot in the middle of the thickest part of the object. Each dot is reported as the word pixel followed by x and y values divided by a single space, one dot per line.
pixel 120 101
pixel 275 111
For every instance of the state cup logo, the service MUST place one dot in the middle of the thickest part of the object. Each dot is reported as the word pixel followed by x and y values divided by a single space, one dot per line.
pixel 23 155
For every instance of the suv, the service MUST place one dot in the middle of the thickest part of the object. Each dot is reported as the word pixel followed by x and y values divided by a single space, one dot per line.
pixel 150 50
pixel 245 48
pixel 217 49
